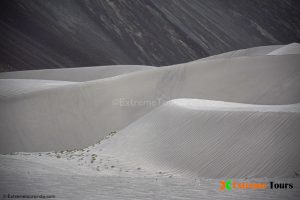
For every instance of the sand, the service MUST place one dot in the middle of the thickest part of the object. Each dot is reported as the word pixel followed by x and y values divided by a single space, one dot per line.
pixel 78 115
pixel 169 132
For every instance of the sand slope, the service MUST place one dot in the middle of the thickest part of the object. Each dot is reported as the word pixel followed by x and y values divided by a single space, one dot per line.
pixel 254 51
pixel 181 128
pixel 80 74
pixel 77 115
pixel 25 177
pixel 293 48
pixel 212 139
pixel 74 74
pixel 12 88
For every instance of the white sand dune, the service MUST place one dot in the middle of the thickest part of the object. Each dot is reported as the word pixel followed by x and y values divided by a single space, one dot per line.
pixel 254 51
pixel 78 74
pixel 212 139
pixel 23 177
pixel 185 137
pixel 181 128
pixel 81 74
pixel 293 48
pixel 11 88
pixel 78 115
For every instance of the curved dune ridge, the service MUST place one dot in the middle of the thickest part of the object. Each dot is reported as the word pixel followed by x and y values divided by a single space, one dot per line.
pixel 42 118
pixel 78 74
pixel 254 51
pixel 10 88
pixel 293 48
pixel 212 139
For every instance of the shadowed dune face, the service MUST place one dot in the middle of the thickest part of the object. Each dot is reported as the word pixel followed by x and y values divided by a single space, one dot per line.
pixel 212 139
pixel 78 115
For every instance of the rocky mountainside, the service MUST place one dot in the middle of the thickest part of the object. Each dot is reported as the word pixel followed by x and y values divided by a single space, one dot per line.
pixel 53 33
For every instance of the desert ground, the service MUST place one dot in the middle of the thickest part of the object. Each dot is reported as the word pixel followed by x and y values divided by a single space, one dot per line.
pixel 142 132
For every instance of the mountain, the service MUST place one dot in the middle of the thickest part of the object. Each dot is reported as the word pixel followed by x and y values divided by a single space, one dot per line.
pixel 58 34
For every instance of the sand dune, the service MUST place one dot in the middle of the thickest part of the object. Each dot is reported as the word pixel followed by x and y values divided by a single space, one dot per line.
pixel 212 139
pixel 254 51
pixel 12 88
pixel 77 115
pixel 74 74
pixel 293 48
pixel 33 178
pixel 81 74
pixel 181 128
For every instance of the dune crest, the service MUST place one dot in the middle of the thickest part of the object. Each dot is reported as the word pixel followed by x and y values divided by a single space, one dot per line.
pixel 41 118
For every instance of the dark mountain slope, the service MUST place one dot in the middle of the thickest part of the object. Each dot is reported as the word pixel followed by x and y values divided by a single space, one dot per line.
pixel 39 34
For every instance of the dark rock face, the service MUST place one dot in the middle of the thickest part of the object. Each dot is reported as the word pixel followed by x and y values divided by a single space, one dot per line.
pixel 38 34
